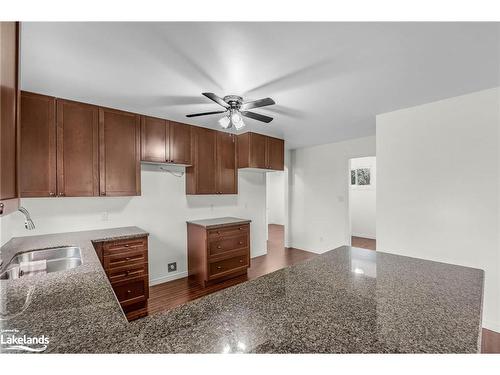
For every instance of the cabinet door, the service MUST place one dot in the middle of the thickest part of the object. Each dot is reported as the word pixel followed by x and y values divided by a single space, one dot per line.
pixel 205 163
pixel 227 180
pixel 154 139
pixel 119 153
pixel 275 154
pixel 258 148
pixel 8 112
pixel 77 149
pixel 180 143
pixel 38 145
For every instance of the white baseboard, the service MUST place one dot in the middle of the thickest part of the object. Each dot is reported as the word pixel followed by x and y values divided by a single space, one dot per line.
pixel 164 279
pixel 492 326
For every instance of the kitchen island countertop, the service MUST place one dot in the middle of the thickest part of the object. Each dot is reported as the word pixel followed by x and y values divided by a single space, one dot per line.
pixel 347 300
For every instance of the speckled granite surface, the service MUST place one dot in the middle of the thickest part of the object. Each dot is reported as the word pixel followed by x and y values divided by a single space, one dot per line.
pixel 71 307
pixel 347 300
pixel 218 222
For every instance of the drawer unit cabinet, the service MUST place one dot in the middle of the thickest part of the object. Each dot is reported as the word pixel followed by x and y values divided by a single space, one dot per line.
pixel 126 265
pixel 218 251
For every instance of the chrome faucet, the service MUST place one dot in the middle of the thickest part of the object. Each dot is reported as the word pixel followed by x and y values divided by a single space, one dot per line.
pixel 28 223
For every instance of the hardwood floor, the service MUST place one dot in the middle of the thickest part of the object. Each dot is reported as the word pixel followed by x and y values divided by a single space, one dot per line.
pixel 365 243
pixel 174 293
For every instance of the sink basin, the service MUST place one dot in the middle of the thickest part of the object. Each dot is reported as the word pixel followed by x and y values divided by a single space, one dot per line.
pixel 57 259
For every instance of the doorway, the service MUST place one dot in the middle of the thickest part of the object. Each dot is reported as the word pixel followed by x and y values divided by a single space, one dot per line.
pixel 362 202
pixel 275 211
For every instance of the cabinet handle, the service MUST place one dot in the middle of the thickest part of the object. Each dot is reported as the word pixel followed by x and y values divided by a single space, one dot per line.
pixel 103 193
pixel 129 291
pixel 219 267
pixel 61 194
pixel 1 208
pixel 52 194
pixel 241 242
pixel 240 228
pixel 218 247
pixel 127 258
pixel 127 273
pixel 241 260
pixel 127 245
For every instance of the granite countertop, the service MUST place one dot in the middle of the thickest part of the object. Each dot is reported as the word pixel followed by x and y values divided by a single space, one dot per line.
pixel 70 306
pixel 219 222
pixel 347 300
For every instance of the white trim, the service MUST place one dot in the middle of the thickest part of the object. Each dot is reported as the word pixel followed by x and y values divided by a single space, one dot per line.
pixel 164 279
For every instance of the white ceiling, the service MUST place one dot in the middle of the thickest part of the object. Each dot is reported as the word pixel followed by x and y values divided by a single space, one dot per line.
pixel 329 80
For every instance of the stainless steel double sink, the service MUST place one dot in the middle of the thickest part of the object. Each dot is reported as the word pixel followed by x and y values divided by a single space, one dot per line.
pixel 54 260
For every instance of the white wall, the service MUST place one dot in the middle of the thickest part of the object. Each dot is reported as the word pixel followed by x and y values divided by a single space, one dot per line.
pixel 363 200
pixel 275 197
pixel 162 210
pixel 438 186
pixel 318 191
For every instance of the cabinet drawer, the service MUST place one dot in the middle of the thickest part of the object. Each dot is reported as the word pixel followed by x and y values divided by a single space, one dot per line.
pixel 227 266
pixel 132 291
pixel 120 246
pixel 127 272
pixel 225 244
pixel 124 259
pixel 228 231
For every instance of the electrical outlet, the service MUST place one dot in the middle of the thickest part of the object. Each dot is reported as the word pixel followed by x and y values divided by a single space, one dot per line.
pixel 172 267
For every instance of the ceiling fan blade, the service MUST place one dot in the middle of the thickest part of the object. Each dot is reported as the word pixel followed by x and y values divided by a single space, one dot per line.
pixel 204 113
pixel 215 98
pixel 257 103
pixel 256 116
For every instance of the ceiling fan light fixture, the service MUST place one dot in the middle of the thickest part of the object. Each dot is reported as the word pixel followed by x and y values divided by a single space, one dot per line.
pixel 237 120
pixel 225 122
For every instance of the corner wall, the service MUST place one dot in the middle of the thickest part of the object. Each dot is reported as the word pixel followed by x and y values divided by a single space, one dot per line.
pixel 438 186
pixel 319 182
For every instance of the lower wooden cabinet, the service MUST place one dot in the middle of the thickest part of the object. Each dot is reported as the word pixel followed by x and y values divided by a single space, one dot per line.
pixel 126 265
pixel 217 253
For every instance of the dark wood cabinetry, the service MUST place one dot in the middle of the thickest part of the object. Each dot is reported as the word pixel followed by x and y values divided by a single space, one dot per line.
pixel 126 265
pixel 165 141
pixel 226 173
pixel 180 143
pixel 214 168
pixel 218 253
pixel 119 153
pixel 77 149
pixel 154 139
pixel 71 149
pixel 260 152
pixel 38 160
pixel 9 41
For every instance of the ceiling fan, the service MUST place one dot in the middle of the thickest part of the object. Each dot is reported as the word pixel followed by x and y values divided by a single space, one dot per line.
pixel 234 108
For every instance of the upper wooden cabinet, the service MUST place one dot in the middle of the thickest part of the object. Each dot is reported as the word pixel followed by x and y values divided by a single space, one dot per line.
pixel 165 141
pixel 214 166
pixel 227 173
pixel 261 152
pixel 154 139
pixel 119 153
pixel 180 143
pixel 77 149
pixel 38 160
pixel 9 32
